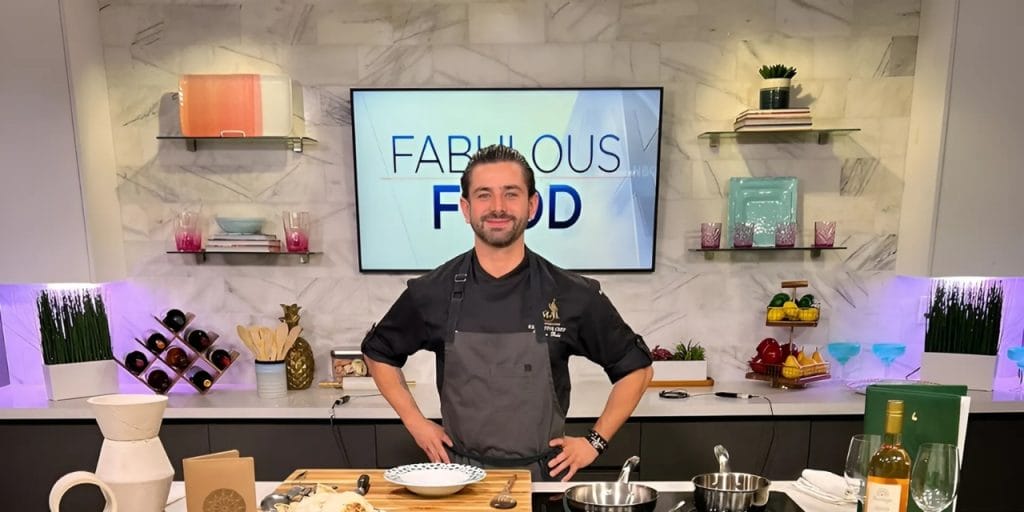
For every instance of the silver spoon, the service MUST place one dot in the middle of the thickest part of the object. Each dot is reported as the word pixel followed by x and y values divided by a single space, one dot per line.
pixel 678 507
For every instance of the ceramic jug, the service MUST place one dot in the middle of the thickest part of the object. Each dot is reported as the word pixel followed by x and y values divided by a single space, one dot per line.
pixel 133 471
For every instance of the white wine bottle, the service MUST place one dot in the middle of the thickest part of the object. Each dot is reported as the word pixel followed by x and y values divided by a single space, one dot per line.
pixel 888 485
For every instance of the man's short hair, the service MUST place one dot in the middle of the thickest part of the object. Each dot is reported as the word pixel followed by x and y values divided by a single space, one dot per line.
pixel 493 154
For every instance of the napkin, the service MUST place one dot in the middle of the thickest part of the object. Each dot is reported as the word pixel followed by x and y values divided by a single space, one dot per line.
pixel 825 486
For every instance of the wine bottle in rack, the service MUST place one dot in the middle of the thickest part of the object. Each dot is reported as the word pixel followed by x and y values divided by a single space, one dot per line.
pixel 177 358
pixel 156 342
pixel 135 362
pixel 158 380
pixel 220 358
pixel 175 320
pixel 201 378
pixel 199 340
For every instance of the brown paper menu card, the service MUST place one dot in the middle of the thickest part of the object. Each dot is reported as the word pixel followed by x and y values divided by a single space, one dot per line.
pixel 221 481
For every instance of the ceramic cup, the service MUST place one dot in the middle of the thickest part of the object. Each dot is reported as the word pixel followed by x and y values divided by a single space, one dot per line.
pixel 271 381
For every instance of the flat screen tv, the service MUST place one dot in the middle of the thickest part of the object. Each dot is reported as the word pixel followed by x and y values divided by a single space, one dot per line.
pixel 595 154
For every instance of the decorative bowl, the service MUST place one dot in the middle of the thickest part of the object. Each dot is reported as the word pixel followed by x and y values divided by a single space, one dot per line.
pixel 434 479
pixel 240 225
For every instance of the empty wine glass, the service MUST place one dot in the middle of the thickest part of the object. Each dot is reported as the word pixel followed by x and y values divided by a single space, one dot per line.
pixel 935 476
pixel 887 353
pixel 862 447
pixel 843 351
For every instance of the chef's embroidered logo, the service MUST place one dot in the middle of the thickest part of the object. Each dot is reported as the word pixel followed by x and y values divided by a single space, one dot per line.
pixel 552 322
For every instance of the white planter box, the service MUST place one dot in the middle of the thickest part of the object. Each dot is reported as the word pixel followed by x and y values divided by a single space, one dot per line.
pixel 977 372
pixel 680 370
pixel 79 380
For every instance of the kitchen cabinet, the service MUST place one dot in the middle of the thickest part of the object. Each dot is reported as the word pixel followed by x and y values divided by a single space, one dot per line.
pixel 61 220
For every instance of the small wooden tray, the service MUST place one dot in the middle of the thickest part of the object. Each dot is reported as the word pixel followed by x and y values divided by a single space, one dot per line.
pixel 682 383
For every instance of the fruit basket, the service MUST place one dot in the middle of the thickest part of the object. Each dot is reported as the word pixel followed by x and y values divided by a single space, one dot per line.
pixel 783 365
pixel 788 310
pixel 795 372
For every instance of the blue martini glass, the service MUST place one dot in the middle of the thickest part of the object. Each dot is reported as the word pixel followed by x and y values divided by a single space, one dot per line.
pixel 887 353
pixel 842 352
pixel 1016 354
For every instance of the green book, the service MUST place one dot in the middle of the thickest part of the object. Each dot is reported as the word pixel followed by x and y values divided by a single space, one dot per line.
pixel 931 414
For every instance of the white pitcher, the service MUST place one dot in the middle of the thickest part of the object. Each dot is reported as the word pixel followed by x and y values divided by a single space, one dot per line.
pixel 133 470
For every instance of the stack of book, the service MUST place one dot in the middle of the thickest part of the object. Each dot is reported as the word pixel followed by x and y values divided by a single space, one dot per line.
pixel 225 242
pixel 773 120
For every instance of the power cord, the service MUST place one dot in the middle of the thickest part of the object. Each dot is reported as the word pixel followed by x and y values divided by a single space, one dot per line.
pixel 342 400
pixel 771 440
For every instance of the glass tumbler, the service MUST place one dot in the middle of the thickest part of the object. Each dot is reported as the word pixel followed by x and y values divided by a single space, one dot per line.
pixel 824 233
pixel 743 235
pixel 785 234
pixel 187 236
pixel 296 231
pixel 710 235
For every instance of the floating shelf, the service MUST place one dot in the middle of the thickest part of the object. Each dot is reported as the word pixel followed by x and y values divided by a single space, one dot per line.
pixel 814 250
pixel 192 143
pixel 201 255
pixel 781 135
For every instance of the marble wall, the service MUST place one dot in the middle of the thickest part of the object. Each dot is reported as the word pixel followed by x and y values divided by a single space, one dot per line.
pixel 855 61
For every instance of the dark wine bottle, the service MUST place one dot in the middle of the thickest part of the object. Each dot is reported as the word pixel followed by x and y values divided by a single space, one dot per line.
pixel 175 320
pixel 159 381
pixel 199 340
pixel 202 379
pixel 220 358
pixel 177 358
pixel 156 342
pixel 135 362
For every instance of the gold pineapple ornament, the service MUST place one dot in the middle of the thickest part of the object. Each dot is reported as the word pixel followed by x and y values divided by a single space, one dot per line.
pixel 300 366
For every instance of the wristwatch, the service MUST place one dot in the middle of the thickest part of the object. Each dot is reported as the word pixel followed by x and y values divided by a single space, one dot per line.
pixel 599 443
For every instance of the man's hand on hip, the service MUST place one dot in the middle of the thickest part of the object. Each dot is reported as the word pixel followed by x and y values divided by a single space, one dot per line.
pixel 577 453
pixel 431 438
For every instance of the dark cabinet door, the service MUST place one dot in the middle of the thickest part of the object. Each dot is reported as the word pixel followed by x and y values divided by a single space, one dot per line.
pixel 282 447
pixel 830 439
pixel 678 450
pixel 35 455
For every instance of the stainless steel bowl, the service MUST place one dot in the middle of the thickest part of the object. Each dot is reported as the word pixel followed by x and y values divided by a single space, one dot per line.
pixel 729 492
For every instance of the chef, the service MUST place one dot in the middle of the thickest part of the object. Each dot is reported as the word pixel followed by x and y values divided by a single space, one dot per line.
pixel 502 322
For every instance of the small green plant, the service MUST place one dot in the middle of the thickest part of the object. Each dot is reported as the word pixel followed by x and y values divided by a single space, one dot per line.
pixel 73 327
pixel 965 318
pixel 689 352
pixel 777 71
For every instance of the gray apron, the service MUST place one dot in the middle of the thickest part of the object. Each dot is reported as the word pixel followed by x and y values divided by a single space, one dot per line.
pixel 498 401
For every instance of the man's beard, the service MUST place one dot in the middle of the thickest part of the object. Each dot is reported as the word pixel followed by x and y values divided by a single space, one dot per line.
pixel 499 239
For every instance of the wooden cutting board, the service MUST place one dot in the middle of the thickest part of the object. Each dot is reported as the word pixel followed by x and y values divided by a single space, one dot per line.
pixel 394 498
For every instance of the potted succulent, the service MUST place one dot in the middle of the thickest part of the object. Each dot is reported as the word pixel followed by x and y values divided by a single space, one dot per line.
pixel 75 340
pixel 775 88
pixel 961 340
pixel 685 363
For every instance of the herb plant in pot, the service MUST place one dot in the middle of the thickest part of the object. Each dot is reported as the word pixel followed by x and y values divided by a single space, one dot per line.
pixel 687 362
pixel 961 341
pixel 75 340
pixel 775 88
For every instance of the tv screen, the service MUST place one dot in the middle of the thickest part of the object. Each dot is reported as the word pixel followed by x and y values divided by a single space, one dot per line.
pixel 594 152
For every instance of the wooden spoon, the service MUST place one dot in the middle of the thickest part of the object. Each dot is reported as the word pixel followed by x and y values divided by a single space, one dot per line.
pixel 292 336
pixel 280 336
pixel 243 334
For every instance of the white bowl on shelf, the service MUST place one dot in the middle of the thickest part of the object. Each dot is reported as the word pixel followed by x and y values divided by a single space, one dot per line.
pixel 434 479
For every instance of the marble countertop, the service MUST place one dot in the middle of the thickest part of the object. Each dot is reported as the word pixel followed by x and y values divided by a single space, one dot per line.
pixel 588 399
pixel 176 502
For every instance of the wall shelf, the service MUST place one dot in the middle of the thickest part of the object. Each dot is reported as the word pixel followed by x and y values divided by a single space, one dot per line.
pixel 295 144
pixel 780 135
pixel 814 250
pixel 201 255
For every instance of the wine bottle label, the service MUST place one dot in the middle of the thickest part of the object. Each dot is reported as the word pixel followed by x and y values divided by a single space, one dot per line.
pixel 886 494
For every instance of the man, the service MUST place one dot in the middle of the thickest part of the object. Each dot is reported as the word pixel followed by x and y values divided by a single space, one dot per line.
pixel 503 322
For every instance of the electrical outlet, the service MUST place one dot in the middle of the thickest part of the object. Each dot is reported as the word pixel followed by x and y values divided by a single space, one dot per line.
pixel 923 305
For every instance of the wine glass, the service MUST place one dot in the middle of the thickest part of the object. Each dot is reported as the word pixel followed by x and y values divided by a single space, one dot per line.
pixel 887 353
pixel 1016 354
pixel 843 351
pixel 935 476
pixel 862 447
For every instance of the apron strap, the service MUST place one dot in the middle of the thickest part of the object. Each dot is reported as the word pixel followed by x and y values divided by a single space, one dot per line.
pixel 458 291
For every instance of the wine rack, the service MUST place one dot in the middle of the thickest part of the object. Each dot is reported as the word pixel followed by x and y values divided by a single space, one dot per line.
pixel 197 359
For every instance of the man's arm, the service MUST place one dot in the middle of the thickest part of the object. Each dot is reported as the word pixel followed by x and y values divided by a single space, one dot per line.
pixel 430 437
pixel 577 453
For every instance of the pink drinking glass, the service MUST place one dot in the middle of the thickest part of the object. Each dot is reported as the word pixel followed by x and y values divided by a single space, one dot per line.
pixel 296 231
pixel 743 235
pixel 824 233
pixel 187 236
pixel 785 234
pixel 710 235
